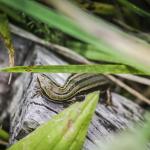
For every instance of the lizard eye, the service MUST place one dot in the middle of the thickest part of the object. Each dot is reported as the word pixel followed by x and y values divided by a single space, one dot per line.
pixel 45 83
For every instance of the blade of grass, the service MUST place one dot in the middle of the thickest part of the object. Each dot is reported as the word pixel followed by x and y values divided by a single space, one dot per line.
pixel 105 69
pixel 4 135
pixel 6 37
pixel 99 8
pixel 92 53
pixel 12 13
pixel 134 8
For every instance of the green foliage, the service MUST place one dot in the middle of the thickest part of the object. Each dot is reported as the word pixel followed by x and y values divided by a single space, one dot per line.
pixel 105 69
pixel 4 135
pixel 70 133
pixel 65 131
pixel 134 8
pixel 98 8
pixel 11 13
pixel 90 52
pixel 121 50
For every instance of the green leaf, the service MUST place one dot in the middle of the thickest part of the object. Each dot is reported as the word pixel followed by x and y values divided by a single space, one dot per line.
pixel 98 8
pixel 134 8
pixel 98 56
pixel 91 52
pixel 50 17
pixel 65 131
pixel 6 37
pixel 109 39
pixel 4 135
pixel 105 69
pixel 11 13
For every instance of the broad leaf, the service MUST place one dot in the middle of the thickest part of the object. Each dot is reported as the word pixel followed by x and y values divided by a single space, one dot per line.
pixel 65 131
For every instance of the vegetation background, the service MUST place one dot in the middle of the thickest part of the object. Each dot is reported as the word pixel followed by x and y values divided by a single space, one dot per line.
pixel 112 35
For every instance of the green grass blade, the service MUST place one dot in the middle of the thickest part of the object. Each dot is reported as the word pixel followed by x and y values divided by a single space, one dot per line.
pixel 98 56
pixel 92 53
pixel 134 8
pixel 6 37
pixel 99 8
pixel 11 13
pixel 4 135
pixel 63 130
pixel 105 69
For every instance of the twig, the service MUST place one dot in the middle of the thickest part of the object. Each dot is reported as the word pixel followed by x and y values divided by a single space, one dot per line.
pixel 10 78
pixel 129 89
pixel 3 143
pixel 54 47
pixel 135 78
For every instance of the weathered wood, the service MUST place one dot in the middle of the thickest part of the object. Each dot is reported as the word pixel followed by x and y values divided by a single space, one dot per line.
pixel 29 108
